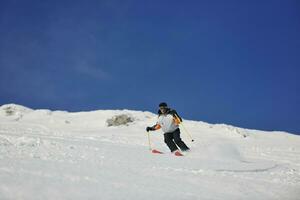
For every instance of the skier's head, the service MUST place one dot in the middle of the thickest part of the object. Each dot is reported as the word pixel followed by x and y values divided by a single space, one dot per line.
pixel 163 104
pixel 163 107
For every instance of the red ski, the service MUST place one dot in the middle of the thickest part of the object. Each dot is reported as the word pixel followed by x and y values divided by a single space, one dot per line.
pixel 177 153
pixel 156 151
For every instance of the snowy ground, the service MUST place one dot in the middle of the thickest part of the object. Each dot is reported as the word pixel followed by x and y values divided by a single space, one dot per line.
pixel 60 155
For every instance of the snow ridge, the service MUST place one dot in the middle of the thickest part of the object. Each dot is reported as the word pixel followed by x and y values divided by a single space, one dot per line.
pixel 48 154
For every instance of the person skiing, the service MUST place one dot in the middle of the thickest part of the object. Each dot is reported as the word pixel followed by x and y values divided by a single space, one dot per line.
pixel 168 121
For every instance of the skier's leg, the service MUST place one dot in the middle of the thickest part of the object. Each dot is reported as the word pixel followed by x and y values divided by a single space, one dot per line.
pixel 169 141
pixel 178 141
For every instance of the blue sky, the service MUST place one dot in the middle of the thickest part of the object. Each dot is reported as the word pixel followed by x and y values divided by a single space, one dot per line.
pixel 234 62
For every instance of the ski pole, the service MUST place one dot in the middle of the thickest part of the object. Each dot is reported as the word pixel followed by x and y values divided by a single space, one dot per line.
pixel 150 146
pixel 149 142
pixel 185 130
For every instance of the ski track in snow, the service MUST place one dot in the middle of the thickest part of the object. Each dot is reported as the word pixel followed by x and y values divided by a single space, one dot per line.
pixel 46 161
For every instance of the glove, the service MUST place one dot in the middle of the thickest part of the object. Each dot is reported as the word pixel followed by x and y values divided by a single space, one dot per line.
pixel 149 129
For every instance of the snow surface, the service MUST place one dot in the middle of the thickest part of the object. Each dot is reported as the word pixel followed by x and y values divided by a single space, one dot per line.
pixel 61 155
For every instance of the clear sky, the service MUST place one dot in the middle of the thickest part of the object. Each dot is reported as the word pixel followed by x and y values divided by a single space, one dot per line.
pixel 234 62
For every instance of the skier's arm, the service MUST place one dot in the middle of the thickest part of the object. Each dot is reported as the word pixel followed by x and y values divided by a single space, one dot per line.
pixel 177 118
pixel 153 128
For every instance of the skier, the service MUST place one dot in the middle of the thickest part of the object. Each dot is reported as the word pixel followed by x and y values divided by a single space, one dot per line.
pixel 169 121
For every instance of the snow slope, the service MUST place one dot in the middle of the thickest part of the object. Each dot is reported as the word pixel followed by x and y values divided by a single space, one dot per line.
pixel 60 155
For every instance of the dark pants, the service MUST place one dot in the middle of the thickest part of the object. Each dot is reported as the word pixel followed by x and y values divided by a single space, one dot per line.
pixel 172 139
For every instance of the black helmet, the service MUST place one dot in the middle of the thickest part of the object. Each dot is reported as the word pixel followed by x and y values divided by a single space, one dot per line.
pixel 163 104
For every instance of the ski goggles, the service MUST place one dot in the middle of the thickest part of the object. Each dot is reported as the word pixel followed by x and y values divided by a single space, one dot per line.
pixel 162 108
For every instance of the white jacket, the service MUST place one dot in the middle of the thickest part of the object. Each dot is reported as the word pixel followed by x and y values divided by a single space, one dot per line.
pixel 167 123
